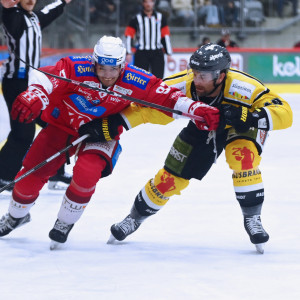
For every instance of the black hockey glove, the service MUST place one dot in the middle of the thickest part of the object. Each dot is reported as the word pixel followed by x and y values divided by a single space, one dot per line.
pixel 103 130
pixel 242 119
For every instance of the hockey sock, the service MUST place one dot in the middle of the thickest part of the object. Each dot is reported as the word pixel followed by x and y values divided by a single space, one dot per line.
pixel 251 210
pixel 70 211
pixel 19 210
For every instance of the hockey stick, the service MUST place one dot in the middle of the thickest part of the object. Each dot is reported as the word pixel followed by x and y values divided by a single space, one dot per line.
pixel 79 140
pixel 135 100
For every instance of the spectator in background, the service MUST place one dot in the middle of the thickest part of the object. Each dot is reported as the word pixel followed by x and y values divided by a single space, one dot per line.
pixel 183 11
pixel 165 7
pixel 152 32
pixel 280 7
pixel 230 13
pixel 102 10
pixel 297 45
pixel 220 6
pixel 225 40
pixel 22 30
pixel 128 8
pixel 209 13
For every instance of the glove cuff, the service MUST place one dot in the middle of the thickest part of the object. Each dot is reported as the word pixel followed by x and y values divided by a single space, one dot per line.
pixel 120 120
pixel 40 93
pixel 260 119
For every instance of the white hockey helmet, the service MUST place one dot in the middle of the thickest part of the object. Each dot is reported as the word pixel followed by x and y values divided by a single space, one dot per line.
pixel 109 51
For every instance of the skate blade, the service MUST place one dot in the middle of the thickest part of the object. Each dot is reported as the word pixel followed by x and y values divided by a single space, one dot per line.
pixel 112 240
pixel 55 245
pixel 57 186
pixel 260 248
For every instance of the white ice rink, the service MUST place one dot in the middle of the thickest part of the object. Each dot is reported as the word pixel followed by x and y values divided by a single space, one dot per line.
pixel 194 248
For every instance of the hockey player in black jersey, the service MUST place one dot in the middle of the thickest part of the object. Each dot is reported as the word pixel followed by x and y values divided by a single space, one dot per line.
pixel 249 111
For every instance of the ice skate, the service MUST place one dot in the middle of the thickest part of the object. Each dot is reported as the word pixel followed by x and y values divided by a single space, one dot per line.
pixel 120 231
pixel 258 236
pixel 59 181
pixel 9 223
pixel 59 233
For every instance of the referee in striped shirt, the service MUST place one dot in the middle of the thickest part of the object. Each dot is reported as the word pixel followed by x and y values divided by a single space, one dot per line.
pixel 22 30
pixel 152 33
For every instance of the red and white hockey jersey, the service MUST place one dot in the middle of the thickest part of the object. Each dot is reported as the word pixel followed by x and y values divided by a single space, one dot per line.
pixel 71 105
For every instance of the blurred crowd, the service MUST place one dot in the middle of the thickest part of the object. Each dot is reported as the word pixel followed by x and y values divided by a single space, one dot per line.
pixel 188 13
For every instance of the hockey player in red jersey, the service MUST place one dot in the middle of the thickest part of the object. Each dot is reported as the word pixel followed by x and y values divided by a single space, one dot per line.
pixel 71 110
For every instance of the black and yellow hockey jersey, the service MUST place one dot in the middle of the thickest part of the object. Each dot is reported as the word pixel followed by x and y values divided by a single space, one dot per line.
pixel 239 89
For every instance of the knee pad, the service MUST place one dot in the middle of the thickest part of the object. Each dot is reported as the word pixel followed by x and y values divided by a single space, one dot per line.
pixel 169 184
pixel 155 194
pixel 243 158
pixel 242 155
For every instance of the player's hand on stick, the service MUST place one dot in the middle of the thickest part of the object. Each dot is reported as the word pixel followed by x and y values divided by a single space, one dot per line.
pixel 209 113
pixel 238 117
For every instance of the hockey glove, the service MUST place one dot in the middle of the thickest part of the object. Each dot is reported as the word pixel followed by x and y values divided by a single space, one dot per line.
pixel 103 130
pixel 209 113
pixel 242 119
pixel 28 105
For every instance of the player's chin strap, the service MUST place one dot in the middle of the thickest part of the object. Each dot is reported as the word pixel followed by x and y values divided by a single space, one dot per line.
pixel 139 101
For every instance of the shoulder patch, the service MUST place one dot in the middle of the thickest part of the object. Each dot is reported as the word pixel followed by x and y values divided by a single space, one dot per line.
pixel 241 90
pixel 81 58
pixel 135 79
pixel 84 70
pixel 139 69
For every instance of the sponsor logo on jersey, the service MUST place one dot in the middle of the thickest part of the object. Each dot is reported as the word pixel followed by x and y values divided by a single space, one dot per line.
pixel 85 106
pixel 135 79
pixel 92 83
pixel 81 58
pixel 114 99
pixel 241 90
pixel 122 90
pixel 84 70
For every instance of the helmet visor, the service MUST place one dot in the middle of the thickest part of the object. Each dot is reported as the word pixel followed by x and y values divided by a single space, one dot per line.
pixel 204 76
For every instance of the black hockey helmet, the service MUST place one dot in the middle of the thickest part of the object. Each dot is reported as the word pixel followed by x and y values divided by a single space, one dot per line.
pixel 210 57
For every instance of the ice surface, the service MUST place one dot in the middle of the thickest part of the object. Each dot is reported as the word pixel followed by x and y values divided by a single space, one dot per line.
pixel 194 248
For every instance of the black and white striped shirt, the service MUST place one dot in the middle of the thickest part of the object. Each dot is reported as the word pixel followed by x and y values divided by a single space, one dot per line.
pixel 23 36
pixel 152 33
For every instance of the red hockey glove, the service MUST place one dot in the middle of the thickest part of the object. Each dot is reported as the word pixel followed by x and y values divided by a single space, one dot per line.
pixel 209 113
pixel 28 105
